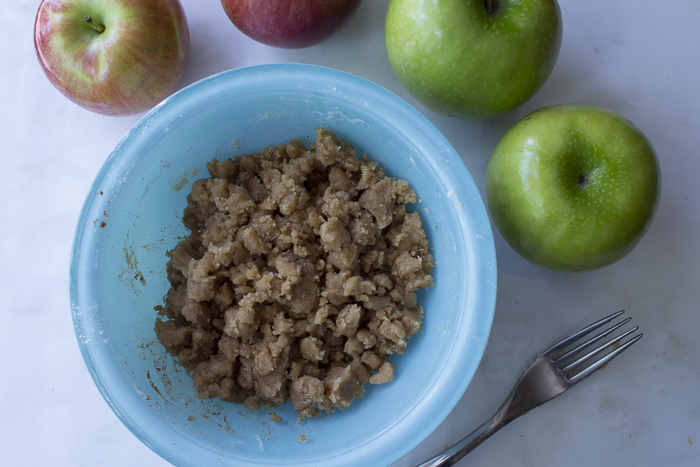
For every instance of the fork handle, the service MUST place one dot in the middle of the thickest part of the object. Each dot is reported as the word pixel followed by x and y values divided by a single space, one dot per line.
pixel 467 444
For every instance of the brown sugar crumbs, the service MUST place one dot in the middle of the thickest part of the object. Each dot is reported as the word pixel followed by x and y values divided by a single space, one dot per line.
pixel 298 279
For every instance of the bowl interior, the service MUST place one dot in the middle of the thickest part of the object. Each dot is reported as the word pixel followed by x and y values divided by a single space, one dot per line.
pixel 132 217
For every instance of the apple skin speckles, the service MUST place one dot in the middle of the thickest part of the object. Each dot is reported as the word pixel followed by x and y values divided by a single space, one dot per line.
pixel 480 65
pixel 573 187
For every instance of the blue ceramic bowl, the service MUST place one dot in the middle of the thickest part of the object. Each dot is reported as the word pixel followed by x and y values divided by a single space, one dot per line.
pixel 132 217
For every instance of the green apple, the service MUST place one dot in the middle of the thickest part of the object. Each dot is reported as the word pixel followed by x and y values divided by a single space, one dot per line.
pixel 573 187
pixel 473 59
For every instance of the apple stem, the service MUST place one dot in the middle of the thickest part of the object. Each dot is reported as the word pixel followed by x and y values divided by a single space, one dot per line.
pixel 491 6
pixel 97 27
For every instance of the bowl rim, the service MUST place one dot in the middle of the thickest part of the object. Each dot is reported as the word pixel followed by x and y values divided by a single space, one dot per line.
pixel 487 248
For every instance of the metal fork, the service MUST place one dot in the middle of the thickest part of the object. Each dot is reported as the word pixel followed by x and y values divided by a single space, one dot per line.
pixel 552 373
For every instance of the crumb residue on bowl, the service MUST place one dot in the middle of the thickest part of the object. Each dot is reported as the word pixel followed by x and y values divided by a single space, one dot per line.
pixel 131 273
pixel 183 179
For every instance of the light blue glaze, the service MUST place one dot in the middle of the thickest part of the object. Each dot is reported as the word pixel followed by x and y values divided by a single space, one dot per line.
pixel 139 194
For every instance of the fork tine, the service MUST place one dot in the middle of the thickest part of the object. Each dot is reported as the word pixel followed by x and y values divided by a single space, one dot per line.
pixel 561 345
pixel 596 351
pixel 580 376
pixel 590 341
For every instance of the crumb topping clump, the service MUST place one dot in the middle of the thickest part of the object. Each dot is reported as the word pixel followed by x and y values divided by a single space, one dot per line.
pixel 298 279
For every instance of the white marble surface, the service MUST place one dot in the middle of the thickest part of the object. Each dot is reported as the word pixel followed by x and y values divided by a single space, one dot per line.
pixel 639 58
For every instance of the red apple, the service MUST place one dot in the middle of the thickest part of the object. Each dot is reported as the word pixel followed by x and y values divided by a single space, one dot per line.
pixel 113 57
pixel 290 24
